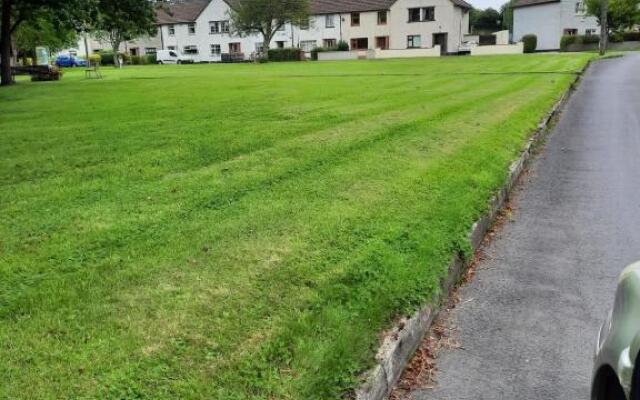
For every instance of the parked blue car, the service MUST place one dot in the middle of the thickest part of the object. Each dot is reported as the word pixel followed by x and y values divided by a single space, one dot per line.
pixel 70 61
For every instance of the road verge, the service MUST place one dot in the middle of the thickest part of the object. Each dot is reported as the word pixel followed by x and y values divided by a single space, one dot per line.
pixel 403 339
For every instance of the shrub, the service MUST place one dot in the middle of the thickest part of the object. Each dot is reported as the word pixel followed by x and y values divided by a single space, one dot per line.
pixel 590 39
pixel 530 43
pixel 567 40
pixel 616 37
pixel 631 36
pixel 342 46
pixel 138 60
pixel 27 61
pixel 95 59
pixel 152 58
pixel 106 58
pixel 286 54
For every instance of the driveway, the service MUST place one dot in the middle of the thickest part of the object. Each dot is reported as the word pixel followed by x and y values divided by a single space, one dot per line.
pixel 528 321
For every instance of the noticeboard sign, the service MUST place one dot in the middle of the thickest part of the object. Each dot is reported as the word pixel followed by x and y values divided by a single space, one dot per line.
pixel 42 56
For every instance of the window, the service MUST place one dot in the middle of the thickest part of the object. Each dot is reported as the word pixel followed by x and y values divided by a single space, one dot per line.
pixel 191 28
pixel 590 32
pixel 171 47
pixel 580 8
pixel 280 44
pixel 281 25
pixel 218 27
pixel 133 51
pixel 173 53
pixel 571 31
pixel 355 19
pixel 215 50
pixel 422 14
pixel 382 17
pixel 329 43
pixel 172 30
pixel 307 45
pixel 234 47
pixel 150 50
pixel 190 49
pixel 328 21
pixel 413 41
pixel 360 44
pixel 304 24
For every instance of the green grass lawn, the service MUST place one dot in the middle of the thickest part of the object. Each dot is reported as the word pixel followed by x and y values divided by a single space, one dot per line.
pixel 242 231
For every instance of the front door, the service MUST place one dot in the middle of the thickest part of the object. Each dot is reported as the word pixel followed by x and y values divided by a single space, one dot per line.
pixel 440 39
pixel 382 42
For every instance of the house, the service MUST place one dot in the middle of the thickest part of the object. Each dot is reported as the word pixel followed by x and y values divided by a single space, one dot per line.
pixel 201 28
pixel 387 24
pixel 549 20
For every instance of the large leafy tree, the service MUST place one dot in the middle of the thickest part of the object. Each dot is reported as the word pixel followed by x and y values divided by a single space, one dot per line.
pixel 621 14
pixel 123 20
pixel 485 21
pixel 16 13
pixel 266 17
pixel 42 31
pixel 506 14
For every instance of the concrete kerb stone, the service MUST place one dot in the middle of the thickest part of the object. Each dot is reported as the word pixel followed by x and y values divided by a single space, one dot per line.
pixel 404 338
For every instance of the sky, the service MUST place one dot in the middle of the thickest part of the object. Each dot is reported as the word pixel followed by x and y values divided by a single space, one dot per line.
pixel 482 4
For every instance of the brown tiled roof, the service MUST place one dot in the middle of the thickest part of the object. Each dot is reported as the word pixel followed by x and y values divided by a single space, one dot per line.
pixel 180 11
pixel 526 3
pixel 345 6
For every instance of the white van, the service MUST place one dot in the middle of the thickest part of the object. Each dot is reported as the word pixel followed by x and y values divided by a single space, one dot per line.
pixel 171 57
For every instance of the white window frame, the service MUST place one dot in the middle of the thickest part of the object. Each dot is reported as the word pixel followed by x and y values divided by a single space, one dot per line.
pixel 329 21
pixel 191 28
pixel 411 39
pixel 172 29
pixel 188 49
pixel 308 45
pixel 215 52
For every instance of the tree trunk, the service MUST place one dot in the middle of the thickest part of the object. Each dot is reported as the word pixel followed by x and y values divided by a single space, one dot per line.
pixel 604 26
pixel 265 46
pixel 116 54
pixel 5 44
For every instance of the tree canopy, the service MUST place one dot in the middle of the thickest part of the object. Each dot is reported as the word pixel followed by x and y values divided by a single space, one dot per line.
pixel 266 17
pixel 485 21
pixel 622 14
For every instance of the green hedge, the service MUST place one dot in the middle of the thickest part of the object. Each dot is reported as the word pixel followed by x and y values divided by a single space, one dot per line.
pixel 107 57
pixel 286 54
pixel 530 43
pixel 152 58
pixel 631 36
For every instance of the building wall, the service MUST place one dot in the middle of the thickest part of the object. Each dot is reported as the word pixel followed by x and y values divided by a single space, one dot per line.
pixel 318 31
pixel 454 21
pixel 549 21
pixel 217 10
pixel 448 19
pixel 541 20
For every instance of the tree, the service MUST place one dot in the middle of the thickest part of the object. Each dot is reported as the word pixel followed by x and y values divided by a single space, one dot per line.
pixel 621 14
pixel 506 14
pixel 123 20
pixel 485 21
pixel 266 17
pixel 41 31
pixel 15 13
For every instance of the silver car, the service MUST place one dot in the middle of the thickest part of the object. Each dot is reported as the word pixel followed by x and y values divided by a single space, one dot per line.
pixel 615 376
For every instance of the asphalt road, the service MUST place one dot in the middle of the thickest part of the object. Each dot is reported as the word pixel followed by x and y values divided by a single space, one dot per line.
pixel 528 322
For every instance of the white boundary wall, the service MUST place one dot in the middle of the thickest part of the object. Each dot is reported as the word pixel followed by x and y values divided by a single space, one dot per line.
pixel 517 48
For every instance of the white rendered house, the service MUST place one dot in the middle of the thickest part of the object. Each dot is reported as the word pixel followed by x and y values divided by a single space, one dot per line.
pixel 549 20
